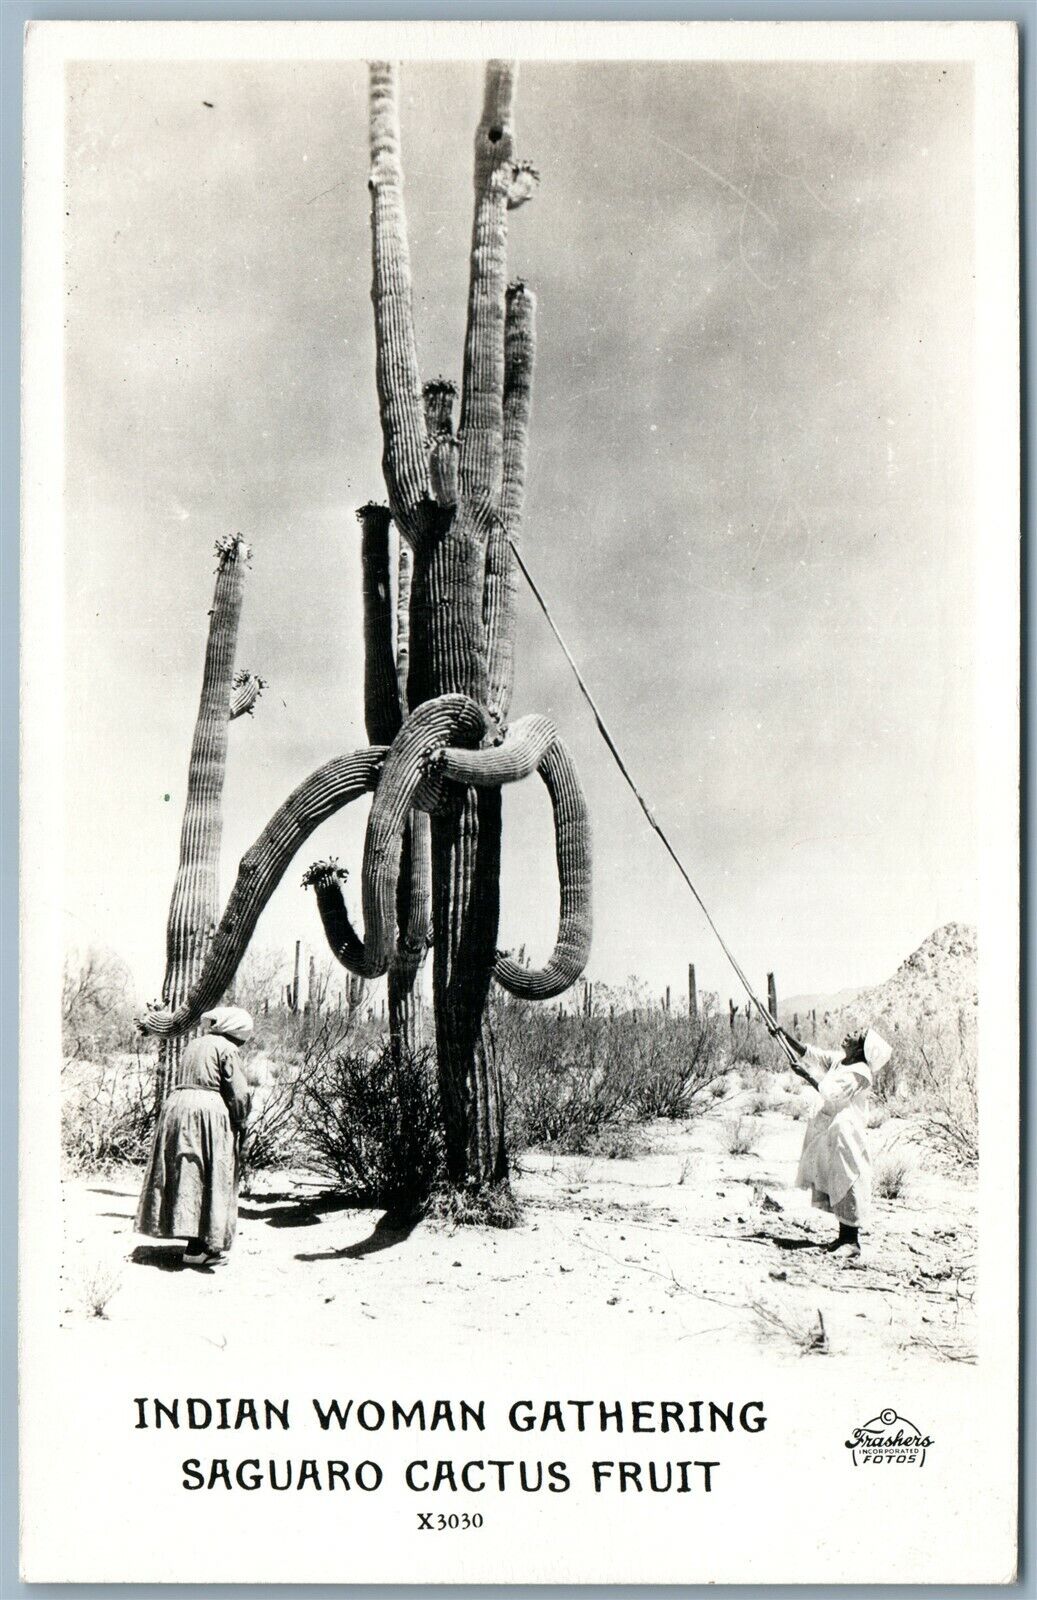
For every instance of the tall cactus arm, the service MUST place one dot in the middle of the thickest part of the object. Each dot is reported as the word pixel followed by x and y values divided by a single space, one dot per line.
pixel 245 691
pixel 262 867
pixel 525 744
pixel 381 689
pixel 482 417
pixel 573 854
pixel 501 574
pixel 195 900
pixel 399 384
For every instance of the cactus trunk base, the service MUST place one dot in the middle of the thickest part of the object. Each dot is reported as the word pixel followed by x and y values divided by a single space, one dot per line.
pixel 466 909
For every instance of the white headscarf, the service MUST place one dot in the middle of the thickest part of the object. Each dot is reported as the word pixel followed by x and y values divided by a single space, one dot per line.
pixel 231 1021
pixel 876 1051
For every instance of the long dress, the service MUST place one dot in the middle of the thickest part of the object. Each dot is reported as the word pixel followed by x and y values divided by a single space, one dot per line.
pixel 836 1162
pixel 191 1187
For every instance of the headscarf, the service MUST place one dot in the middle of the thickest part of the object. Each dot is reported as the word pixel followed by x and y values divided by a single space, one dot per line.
pixel 876 1050
pixel 231 1021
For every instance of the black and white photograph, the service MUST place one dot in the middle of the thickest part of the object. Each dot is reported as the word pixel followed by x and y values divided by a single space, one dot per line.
pixel 519 813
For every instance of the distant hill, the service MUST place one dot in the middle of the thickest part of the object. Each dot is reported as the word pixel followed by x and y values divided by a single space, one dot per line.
pixel 932 987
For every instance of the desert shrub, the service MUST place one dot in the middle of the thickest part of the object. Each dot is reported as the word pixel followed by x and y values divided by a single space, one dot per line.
pixel 97 1010
pixel 579 1081
pixel 676 1064
pixel 371 1122
pixel 566 1078
pixel 741 1135
pixel 891 1174
pixel 945 1064
pixel 107 1113
pixel 272 1137
pixel 97 1282
pixel 492 1206
pixel 618 1141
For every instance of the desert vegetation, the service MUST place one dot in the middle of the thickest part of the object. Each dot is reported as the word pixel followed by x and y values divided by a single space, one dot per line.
pixel 335 1095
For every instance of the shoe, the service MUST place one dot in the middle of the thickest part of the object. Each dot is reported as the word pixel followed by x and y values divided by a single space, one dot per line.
pixel 203 1258
pixel 847 1253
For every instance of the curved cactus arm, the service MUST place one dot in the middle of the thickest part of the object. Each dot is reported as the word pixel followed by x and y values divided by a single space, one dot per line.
pixel 399 384
pixel 480 463
pixel 326 879
pixel 501 587
pixel 525 744
pixel 573 854
pixel 414 897
pixel 382 715
pixel 405 782
pixel 245 691
pixel 262 867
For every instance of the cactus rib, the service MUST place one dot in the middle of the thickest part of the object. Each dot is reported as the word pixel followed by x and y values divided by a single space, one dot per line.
pixel 525 744
pixel 573 854
pixel 480 463
pixel 399 383
pixel 262 867
pixel 501 572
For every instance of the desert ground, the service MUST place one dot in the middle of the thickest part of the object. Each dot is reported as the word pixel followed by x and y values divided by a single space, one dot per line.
pixel 685 1242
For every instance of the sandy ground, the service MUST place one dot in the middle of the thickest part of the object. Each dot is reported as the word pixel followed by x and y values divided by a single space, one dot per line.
pixel 685 1243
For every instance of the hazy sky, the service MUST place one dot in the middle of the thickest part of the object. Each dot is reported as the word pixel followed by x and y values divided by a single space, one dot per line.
pixel 749 493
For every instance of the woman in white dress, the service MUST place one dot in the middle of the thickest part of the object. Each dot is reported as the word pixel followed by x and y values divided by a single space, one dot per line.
pixel 836 1162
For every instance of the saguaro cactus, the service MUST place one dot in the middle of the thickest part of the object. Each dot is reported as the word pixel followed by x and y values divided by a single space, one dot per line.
pixel 195 904
pixel 446 749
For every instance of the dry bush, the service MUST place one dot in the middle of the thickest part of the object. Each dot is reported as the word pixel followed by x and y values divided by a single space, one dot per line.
pixel 97 1283
pixel 580 1082
pixel 98 1016
pixel 676 1062
pixel 891 1175
pixel 272 1136
pixel 107 1113
pixel 567 1081
pixel 741 1135
pixel 945 1064
pixel 371 1122
pixel 493 1206
pixel 804 1330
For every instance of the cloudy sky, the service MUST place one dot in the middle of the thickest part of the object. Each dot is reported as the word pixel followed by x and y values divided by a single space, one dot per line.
pixel 749 497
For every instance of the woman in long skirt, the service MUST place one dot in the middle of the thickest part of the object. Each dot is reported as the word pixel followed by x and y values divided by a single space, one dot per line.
pixel 836 1162
pixel 191 1188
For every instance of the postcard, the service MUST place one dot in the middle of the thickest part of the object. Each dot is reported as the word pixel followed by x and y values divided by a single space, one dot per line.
pixel 520 1052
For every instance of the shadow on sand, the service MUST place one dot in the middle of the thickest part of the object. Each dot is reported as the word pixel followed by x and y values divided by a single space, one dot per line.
pixel 166 1257
pixel 388 1231
pixel 304 1213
